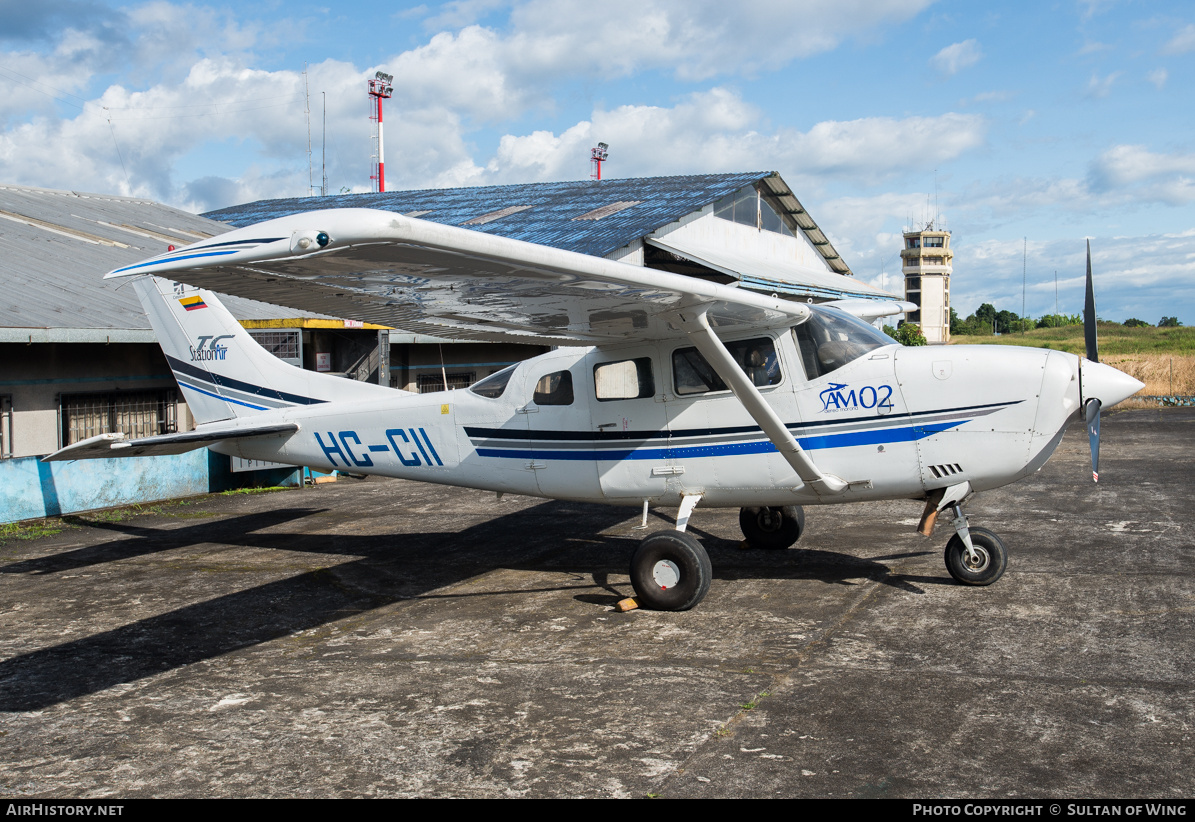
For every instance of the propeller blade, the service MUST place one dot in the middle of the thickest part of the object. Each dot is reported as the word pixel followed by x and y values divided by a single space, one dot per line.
pixel 1091 413
pixel 1093 353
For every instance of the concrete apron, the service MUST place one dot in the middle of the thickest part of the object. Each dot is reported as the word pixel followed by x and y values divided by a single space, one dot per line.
pixel 386 638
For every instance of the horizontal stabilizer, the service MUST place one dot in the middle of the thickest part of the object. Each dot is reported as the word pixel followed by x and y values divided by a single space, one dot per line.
pixel 118 445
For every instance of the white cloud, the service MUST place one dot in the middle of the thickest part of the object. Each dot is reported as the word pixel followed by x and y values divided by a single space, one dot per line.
pixel 713 131
pixel 1145 276
pixel 188 88
pixel 696 40
pixel 865 230
pixel 956 57
pixel 1182 42
pixel 1142 174
pixel 991 97
pixel 1158 77
pixel 1101 86
pixel 157 129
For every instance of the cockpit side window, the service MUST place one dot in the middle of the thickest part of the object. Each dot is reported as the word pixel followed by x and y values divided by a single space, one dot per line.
pixel 831 338
pixel 554 389
pixel 692 374
pixel 491 387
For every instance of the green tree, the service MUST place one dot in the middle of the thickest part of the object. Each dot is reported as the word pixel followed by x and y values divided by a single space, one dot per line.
pixel 957 325
pixel 1169 322
pixel 1133 322
pixel 1059 320
pixel 910 334
pixel 985 314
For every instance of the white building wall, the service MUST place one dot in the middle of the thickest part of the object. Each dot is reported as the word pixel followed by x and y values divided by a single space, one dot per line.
pixel 706 229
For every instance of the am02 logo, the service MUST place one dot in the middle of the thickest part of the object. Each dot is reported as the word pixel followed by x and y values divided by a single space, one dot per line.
pixel 841 397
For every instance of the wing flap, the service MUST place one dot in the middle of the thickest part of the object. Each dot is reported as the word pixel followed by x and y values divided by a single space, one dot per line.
pixel 118 445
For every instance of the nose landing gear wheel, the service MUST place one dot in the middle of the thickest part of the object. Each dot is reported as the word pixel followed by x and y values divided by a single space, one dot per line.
pixel 985 566
pixel 772 528
pixel 670 571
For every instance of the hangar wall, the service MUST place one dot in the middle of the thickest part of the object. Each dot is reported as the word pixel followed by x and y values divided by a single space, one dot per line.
pixel 30 488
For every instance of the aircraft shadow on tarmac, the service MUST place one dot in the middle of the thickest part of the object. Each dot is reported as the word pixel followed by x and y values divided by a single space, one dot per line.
pixel 385 569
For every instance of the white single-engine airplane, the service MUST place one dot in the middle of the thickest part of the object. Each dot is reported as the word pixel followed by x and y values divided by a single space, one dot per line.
pixel 665 390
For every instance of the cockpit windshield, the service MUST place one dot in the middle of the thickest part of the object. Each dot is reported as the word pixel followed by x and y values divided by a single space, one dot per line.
pixel 831 338
pixel 492 386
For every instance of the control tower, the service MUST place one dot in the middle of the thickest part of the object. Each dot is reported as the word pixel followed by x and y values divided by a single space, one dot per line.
pixel 926 261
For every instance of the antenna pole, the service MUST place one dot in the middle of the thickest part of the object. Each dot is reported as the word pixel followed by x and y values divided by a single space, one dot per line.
pixel 323 189
pixel 307 113
pixel 1024 279
pixel 381 87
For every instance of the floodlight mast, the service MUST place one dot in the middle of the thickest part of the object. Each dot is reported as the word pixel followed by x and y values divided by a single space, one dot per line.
pixel 380 87
pixel 596 156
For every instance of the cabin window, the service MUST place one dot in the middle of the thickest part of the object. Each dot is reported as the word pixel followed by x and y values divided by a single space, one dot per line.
pixel 623 380
pixel 831 338
pixel 691 374
pixel 554 389
pixel 136 414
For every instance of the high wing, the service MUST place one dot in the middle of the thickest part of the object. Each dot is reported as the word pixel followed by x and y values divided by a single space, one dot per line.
pixel 427 278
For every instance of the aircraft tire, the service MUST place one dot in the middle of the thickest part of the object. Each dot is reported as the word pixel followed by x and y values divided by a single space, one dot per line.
pixel 772 528
pixel 670 571
pixel 993 558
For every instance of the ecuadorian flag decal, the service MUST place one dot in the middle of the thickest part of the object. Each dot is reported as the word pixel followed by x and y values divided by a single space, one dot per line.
pixel 192 303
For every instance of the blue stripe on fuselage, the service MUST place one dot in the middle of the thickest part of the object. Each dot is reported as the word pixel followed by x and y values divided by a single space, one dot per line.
pixel 910 433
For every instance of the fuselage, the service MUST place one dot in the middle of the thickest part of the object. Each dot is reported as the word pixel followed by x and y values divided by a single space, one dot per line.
pixel 643 421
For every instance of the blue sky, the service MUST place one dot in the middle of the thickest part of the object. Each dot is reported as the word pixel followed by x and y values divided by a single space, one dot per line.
pixel 1020 126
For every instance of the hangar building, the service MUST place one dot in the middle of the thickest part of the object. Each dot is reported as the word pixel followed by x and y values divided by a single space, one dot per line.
pixel 78 358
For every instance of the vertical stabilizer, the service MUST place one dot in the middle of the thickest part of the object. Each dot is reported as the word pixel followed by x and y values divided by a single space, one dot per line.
pixel 222 372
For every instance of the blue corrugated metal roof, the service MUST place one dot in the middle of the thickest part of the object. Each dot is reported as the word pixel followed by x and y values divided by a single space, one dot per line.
pixel 551 218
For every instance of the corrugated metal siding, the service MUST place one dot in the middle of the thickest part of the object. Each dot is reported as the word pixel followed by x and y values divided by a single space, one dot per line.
pixel 549 221
pixel 56 246
pixel 548 213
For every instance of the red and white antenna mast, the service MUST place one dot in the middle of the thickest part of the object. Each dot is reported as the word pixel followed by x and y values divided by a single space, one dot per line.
pixel 596 157
pixel 380 87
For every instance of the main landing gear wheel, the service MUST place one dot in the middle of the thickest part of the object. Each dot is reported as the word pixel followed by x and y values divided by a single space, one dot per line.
pixel 772 528
pixel 670 571
pixel 985 566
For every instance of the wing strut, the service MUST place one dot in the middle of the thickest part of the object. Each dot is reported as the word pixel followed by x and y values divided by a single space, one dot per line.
pixel 696 325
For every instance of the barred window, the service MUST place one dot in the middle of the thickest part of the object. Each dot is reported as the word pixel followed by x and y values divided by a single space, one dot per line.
pixel 427 383
pixel 285 345
pixel 135 413
pixel 5 427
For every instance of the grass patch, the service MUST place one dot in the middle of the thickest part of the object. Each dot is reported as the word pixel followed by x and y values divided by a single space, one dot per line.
pixel 1115 339
pixel 1162 358
pixel 266 490
pixel 33 529
pixel 114 514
